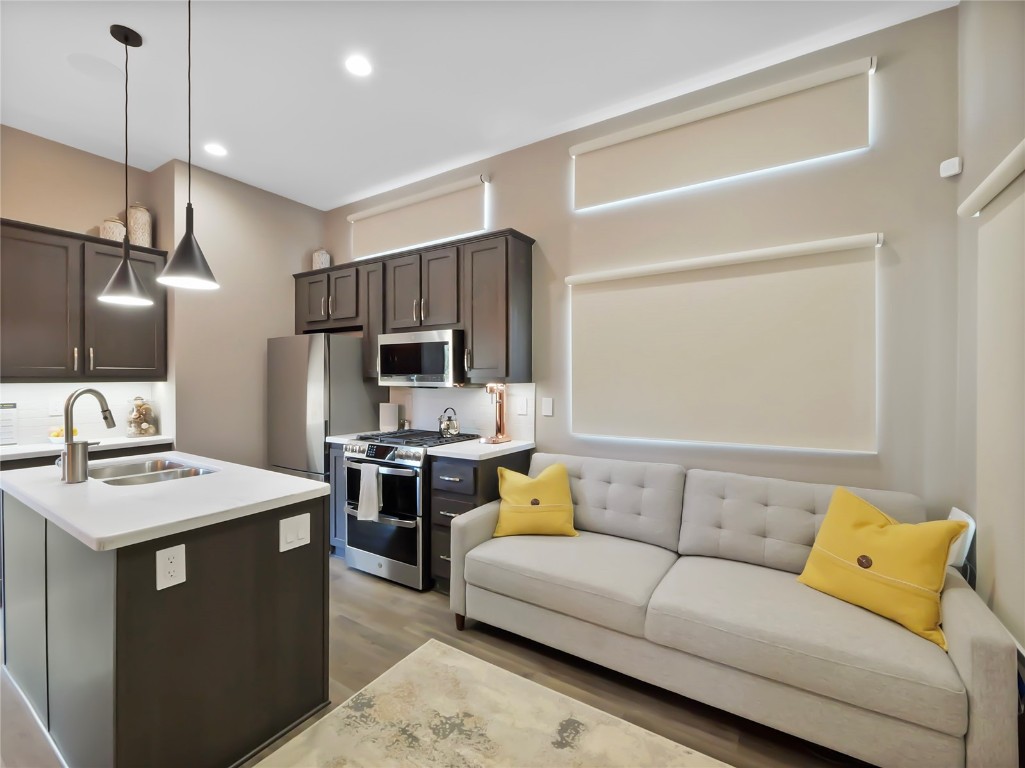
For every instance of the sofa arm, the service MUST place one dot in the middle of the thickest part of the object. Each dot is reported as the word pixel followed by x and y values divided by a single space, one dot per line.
pixel 985 656
pixel 468 531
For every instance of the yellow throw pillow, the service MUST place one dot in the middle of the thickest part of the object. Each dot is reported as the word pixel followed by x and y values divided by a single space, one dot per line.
pixel 865 557
pixel 538 505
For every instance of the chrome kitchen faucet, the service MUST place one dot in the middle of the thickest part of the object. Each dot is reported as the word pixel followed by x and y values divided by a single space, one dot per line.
pixel 74 460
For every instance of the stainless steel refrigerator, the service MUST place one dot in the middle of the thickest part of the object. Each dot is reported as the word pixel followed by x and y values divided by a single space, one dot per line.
pixel 315 388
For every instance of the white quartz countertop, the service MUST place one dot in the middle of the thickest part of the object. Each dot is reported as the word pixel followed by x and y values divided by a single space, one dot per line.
pixel 467 449
pixel 105 516
pixel 35 450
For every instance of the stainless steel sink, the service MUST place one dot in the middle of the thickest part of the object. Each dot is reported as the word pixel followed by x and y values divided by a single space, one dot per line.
pixel 144 472
pixel 159 477
pixel 133 468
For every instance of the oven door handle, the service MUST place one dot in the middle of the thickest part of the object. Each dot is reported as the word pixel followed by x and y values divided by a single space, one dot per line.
pixel 386 519
pixel 381 470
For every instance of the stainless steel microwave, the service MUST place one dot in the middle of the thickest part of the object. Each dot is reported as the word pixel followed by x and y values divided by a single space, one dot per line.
pixel 420 359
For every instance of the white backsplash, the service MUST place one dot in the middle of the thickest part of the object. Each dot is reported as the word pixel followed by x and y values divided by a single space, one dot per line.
pixel 474 409
pixel 37 401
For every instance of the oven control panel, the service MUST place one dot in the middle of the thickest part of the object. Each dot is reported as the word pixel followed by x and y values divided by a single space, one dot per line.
pixel 395 454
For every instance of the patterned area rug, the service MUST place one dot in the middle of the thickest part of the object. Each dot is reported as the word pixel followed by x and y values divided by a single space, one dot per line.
pixel 443 708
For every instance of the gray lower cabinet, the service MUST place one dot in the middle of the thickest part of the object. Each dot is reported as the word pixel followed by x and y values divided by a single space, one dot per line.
pixel 457 486
pixel 204 673
pixel 337 504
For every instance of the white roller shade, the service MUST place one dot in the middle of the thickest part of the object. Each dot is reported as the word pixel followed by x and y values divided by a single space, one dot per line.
pixel 728 139
pixel 1000 448
pixel 772 353
pixel 452 211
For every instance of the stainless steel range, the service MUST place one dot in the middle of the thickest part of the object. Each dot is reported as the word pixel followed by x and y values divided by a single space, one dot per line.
pixel 396 545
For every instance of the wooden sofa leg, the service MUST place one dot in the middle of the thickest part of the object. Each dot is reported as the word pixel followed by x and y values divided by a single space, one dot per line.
pixel 460 621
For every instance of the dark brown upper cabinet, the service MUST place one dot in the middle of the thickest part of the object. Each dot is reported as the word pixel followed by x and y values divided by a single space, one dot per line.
pixel 497 310
pixel 371 298
pixel 52 326
pixel 40 305
pixel 123 342
pixel 327 300
pixel 422 290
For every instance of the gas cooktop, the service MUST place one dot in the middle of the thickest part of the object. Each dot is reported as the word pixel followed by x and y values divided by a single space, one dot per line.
pixel 414 437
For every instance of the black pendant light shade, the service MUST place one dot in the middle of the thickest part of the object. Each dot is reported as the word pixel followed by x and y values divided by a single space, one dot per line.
pixel 125 287
pixel 187 267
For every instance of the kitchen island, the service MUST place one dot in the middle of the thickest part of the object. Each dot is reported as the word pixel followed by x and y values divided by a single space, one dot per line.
pixel 165 623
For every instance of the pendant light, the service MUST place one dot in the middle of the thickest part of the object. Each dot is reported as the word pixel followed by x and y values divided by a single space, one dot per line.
pixel 187 267
pixel 124 286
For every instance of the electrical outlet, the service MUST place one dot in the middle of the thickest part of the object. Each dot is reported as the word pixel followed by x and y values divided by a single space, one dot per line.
pixel 293 532
pixel 170 566
pixel 521 406
pixel 56 407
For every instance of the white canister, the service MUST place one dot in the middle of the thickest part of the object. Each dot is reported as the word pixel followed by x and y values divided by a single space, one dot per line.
pixel 140 225
pixel 112 229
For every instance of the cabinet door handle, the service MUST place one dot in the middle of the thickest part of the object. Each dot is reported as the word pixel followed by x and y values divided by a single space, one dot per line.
pixel 466 360
pixel 76 360
pixel 92 360
pixel 423 310
pixel 414 311
pixel 448 479
pixel 331 305
pixel 322 312
pixel 443 513
pixel 446 558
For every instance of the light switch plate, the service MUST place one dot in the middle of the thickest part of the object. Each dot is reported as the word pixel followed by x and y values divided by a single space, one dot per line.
pixel 170 566
pixel 521 406
pixel 293 532
pixel 56 407
pixel 547 407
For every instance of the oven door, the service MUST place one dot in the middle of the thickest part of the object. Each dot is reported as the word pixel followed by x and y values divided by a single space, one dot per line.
pixel 393 546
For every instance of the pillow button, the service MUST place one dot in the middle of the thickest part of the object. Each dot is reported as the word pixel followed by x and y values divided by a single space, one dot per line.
pixel 865 561
pixel 535 502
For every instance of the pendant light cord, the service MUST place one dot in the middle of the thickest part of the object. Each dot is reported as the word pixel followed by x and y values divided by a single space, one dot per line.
pixel 126 139
pixel 190 99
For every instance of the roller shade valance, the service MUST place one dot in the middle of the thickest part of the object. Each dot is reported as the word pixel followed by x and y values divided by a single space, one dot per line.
pixel 447 212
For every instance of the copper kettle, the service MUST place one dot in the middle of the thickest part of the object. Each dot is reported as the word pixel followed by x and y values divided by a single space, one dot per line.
pixel 448 426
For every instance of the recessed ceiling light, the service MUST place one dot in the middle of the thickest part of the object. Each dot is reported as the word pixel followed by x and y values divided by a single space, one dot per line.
pixel 358 65
pixel 215 149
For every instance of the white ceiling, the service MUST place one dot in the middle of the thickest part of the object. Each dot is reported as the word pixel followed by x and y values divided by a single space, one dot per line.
pixel 453 82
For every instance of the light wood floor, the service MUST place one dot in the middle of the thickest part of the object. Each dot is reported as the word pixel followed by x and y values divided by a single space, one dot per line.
pixel 375 623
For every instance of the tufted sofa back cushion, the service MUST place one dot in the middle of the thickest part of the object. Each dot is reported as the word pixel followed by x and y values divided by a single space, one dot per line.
pixel 630 499
pixel 766 521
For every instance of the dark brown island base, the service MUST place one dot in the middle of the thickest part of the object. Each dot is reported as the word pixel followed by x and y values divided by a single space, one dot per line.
pixel 124 671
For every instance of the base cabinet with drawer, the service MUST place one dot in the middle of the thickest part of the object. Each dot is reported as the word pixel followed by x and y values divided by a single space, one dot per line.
pixel 457 486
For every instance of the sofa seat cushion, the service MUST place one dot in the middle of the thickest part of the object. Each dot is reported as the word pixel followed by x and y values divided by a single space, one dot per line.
pixel 763 621
pixel 602 579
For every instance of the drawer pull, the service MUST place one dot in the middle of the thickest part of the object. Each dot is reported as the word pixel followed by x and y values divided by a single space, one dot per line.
pixel 446 558
pixel 443 513
pixel 449 479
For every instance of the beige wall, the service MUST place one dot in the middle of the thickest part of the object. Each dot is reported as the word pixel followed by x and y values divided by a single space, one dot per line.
pixel 254 242
pixel 43 182
pixel 214 401
pixel 894 188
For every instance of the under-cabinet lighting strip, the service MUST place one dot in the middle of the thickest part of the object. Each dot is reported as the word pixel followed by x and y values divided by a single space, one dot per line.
pixel 872 239
pixel 803 83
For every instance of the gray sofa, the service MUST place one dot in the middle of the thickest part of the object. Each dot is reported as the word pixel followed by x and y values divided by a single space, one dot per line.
pixel 694 589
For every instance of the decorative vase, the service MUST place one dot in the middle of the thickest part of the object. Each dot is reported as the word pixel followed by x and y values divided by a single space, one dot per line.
pixel 321 259
pixel 140 226
pixel 112 229
pixel 142 420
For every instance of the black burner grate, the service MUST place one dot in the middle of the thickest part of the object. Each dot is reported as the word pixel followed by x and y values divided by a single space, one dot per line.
pixel 415 437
